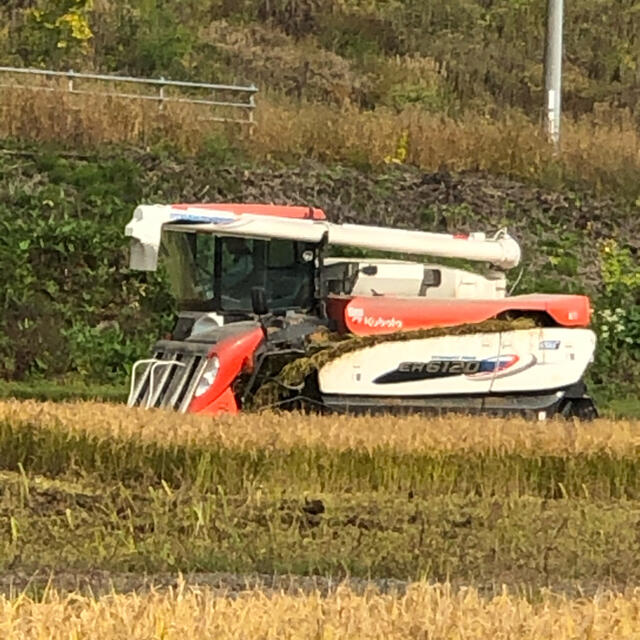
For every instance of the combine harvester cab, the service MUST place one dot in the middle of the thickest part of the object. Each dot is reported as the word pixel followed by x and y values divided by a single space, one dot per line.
pixel 268 318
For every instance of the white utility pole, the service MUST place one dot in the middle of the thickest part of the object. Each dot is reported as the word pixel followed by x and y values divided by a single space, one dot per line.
pixel 553 70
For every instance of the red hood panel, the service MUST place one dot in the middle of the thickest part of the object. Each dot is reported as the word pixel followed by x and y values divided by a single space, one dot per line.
pixel 234 354
pixel 378 315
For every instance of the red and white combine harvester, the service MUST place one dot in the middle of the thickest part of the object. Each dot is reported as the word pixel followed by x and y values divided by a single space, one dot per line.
pixel 260 294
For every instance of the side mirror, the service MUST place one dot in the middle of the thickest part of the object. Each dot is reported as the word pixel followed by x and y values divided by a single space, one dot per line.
pixel 259 301
pixel 370 270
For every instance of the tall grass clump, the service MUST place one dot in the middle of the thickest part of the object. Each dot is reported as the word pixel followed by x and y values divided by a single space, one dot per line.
pixel 90 121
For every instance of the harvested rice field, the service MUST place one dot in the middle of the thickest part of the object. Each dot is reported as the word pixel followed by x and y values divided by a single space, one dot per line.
pixel 432 527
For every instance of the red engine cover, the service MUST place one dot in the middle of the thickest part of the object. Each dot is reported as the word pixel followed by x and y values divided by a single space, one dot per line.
pixel 380 314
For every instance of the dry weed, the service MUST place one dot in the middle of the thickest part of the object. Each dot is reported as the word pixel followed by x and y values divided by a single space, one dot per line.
pixel 81 120
pixel 291 66
pixel 602 150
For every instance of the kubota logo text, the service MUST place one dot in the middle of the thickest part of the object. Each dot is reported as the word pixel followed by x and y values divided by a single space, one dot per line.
pixel 358 316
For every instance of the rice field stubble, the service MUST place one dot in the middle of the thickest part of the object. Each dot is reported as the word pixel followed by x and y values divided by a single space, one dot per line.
pixel 477 501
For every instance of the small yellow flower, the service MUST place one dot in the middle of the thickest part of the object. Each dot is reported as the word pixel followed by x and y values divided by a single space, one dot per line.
pixel 78 24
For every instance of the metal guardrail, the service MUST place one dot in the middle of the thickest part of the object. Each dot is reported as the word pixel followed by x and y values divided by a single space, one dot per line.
pixel 245 102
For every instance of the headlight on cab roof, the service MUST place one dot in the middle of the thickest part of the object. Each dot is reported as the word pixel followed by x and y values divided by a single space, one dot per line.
pixel 208 376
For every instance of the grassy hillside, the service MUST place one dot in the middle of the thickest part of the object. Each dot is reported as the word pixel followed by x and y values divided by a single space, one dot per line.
pixel 455 84
pixel 451 56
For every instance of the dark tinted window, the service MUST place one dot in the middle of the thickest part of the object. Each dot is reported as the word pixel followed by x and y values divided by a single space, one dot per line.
pixel 285 269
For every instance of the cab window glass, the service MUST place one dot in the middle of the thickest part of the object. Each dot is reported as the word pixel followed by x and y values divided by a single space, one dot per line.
pixel 188 262
pixel 281 254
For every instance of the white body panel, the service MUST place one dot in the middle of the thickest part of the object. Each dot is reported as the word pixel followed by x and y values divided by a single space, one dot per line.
pixel 527 360
pixel 204 322
pixel 145 230
pixel 405 279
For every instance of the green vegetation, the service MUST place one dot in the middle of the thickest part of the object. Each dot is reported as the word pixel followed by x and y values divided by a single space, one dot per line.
pixel 68 303
pixel 59 392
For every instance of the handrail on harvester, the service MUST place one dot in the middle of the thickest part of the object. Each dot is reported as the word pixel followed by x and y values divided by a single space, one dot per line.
pixel 145 231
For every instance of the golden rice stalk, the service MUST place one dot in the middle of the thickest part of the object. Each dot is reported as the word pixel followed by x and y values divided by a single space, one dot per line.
pixel 422 612
pixel 412 433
